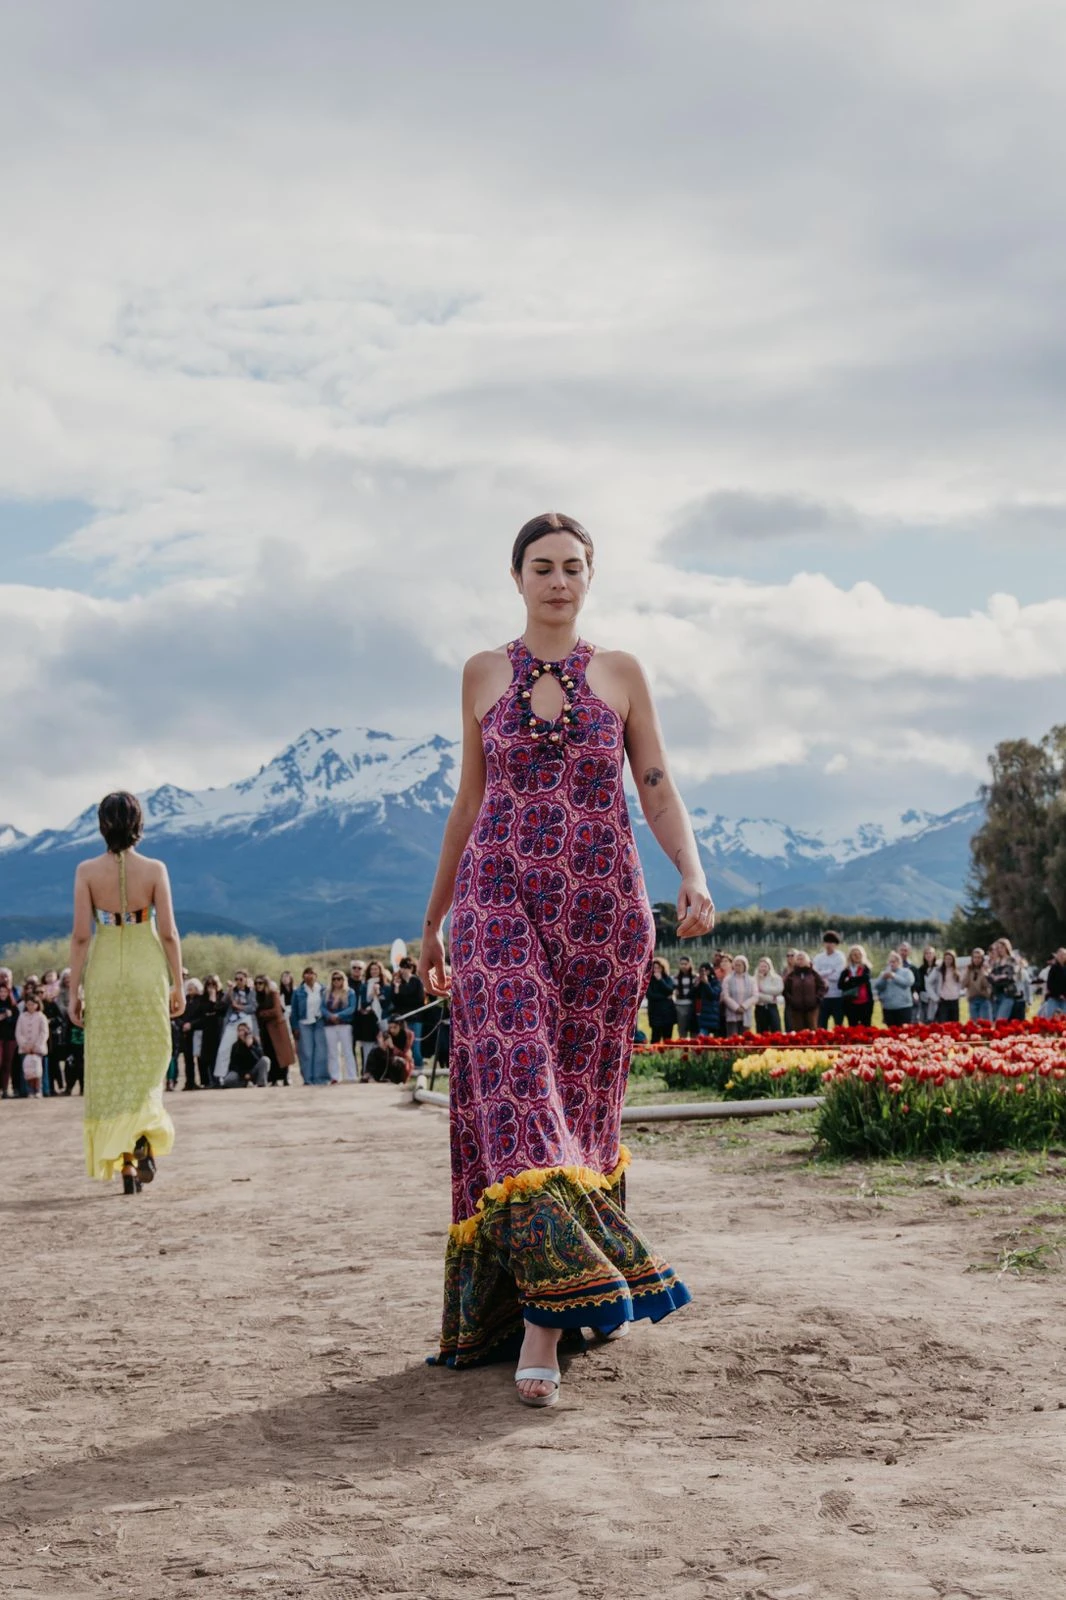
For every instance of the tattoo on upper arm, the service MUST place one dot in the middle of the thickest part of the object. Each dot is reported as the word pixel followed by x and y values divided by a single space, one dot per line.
pixel 653 776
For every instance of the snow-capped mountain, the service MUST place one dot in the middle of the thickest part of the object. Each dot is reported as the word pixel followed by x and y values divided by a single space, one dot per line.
pixel 325 769
pixel 9 835
pixel 335 841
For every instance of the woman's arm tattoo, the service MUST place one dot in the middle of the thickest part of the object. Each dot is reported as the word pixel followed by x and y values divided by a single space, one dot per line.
pixel 653 776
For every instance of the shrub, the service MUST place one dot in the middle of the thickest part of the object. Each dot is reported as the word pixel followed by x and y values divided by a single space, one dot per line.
pixel 776 1073
pixel 938 1099
pixel 695 1069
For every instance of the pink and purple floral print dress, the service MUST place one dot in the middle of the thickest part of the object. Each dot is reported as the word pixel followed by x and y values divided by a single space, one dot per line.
pixel 551 936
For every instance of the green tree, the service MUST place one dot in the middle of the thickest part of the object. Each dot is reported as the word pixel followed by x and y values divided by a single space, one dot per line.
pixel 973 924
pixel 1019 854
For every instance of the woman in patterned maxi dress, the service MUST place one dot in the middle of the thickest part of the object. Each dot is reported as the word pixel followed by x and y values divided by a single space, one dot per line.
pixel 551 937
pixel 133 986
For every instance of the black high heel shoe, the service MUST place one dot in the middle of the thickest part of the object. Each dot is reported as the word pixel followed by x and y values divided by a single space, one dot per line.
pixel 131 1184
pixel 142 1152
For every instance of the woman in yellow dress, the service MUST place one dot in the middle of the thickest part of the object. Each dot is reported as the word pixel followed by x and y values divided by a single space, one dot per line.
pixel 132 988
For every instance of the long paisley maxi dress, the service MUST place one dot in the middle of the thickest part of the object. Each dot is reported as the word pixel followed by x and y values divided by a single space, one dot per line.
pixel 551 936
pixel 127 1038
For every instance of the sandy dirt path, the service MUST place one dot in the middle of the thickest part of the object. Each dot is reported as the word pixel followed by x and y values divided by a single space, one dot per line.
pixel 217 1388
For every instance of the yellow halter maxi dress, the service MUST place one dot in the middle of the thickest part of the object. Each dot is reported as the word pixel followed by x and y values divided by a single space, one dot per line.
pixel 127 1037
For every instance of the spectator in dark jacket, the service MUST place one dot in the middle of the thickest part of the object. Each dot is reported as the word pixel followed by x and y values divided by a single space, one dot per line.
pixel 408 995
pixel 191 1019
pixel 9 1015
pixel 1055 988
pixel 857 988
pixel 212 1014
pixel 685 997
pixel 804 992
pixel 708 1001
pixel 661 1012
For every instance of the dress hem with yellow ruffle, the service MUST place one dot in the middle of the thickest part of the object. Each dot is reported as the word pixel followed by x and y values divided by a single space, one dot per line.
pixel 108 1139
pixel 551 1246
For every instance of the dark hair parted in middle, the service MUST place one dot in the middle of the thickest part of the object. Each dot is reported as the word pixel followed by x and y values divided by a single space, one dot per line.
pixel 549 522
pixel 121 821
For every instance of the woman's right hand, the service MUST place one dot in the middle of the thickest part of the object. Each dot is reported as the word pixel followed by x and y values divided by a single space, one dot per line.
pixel 177 1001
pixel 431 968
pixel 76 1011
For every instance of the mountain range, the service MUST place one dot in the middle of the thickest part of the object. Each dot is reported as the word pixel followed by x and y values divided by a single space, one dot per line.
pixel 335 842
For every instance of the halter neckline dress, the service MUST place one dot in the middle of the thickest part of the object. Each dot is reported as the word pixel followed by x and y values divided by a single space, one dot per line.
pixel 551 939
pixel 127 1037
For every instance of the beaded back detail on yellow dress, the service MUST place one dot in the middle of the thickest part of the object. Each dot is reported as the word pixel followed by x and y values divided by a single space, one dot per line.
pixel 127 1040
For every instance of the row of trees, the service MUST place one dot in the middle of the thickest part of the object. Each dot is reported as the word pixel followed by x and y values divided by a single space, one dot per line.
pixel 801 928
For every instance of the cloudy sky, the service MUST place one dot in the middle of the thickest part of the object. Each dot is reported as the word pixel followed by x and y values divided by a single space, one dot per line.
pixel 305 309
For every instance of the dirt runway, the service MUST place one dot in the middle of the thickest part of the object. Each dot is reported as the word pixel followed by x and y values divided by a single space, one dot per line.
pixel 217 1388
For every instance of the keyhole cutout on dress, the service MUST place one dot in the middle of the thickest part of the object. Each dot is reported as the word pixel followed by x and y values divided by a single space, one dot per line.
pixel 547 698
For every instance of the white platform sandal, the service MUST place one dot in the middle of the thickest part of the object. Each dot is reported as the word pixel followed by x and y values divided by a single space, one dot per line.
pixel 597 1336
pixel 539 1375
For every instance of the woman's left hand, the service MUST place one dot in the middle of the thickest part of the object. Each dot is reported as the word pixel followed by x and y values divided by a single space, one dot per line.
pixel 76 1012
pixel 695 908
pixel 177 1001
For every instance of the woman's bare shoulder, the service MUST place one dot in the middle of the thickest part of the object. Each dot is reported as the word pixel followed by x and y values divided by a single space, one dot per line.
pixel 622 661
pixel 486 661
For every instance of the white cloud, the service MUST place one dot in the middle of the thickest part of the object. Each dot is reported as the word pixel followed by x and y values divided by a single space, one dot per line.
pixel 316 308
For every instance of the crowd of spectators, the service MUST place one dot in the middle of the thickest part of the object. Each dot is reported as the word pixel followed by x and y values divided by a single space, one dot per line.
pixel 365 1024
pixel 370 1024
pixel 838 988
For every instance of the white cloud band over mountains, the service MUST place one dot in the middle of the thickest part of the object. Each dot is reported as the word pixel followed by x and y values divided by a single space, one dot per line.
pixel 303 313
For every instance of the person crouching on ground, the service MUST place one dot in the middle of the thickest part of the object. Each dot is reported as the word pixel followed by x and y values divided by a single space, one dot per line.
pixel 804 991
pixel 247 1063
pixel 31 1036
pixel 387 1060
pixel 894 988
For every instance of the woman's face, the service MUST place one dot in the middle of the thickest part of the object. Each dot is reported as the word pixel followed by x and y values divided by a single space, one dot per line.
pixel 374 970
pixel 554 580
pixel 894 962
pixel 337 980
pixel 762 970
pixel 657 969
pixel 929 954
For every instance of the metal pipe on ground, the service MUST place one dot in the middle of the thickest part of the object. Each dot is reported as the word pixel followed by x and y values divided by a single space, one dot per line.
pixel 704 1110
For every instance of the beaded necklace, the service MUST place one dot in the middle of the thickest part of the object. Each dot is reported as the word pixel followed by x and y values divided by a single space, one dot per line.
pixel 542 727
